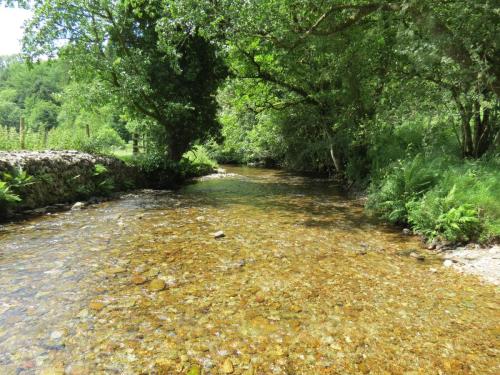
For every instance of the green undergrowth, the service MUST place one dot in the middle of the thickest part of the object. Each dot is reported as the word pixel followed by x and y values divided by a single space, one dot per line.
pixel 160 172
pixel 441 198
pixel 12 186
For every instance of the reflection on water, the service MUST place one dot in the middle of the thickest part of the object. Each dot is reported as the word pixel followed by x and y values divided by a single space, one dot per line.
pixel 302 283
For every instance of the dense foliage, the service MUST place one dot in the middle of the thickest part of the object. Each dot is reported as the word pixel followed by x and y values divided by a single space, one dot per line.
pixel 12 186
pixel 168 80
pixel 397 95
pixel 57 113
pixel 400 97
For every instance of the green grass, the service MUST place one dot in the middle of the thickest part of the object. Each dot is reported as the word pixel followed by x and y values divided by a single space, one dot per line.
pixel 123 152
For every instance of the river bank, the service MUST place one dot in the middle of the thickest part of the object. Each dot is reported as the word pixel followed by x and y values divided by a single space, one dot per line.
pixel 65 180
pixel 45 182
pixel 483 262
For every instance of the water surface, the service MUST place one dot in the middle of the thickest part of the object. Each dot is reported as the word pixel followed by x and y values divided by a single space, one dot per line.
pixel 303 283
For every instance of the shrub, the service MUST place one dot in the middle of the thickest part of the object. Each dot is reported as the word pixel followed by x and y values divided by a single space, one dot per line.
pixel 6 194
pixel 102 140
pixel 104 184
pixel 11 187
pixel 449 199
pixel 405 182
pixel 162 172
pixel 440 217
pixel 459 224
pixel 18 179
pixel 197 162
pixel 62 138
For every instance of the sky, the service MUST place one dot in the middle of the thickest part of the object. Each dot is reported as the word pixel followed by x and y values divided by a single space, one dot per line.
pixel 11 31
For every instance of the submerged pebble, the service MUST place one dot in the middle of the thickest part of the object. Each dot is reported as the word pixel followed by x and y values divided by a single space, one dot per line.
pixel 157 285
pixel 219 234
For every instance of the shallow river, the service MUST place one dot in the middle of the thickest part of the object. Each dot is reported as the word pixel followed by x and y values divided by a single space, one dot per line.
pixel 302 283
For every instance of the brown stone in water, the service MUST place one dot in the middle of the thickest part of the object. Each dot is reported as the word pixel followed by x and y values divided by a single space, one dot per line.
pixel 157 285
pixel 96 305
pixel 219 234
pixel 115 270
pixel 138 279
pixel 417 256
pixel 227 367
pixel 260 298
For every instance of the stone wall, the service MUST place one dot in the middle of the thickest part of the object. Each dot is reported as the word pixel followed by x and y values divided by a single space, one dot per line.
pixel 66 176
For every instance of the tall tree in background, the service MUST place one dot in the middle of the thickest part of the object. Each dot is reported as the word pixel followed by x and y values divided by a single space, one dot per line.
pixel 326 66
pixel 454 45
pixel 31 93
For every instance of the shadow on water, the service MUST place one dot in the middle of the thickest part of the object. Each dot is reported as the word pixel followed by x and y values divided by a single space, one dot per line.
pixel 324 202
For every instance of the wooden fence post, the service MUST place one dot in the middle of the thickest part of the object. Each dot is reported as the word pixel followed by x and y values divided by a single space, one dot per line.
pixel 45 136
pixel 22 133
pixel 135 143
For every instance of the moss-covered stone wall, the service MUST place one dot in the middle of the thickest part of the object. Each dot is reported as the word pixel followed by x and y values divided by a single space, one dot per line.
pixel 66 176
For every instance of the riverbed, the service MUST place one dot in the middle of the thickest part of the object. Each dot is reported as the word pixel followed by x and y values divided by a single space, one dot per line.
pixel 301 283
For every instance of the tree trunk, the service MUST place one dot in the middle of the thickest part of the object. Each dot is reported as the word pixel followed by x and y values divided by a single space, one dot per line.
pixel 467 145
pixel 335 159
pixel 175 151
pixel 480 130
pixel 336 162
pixel 479 124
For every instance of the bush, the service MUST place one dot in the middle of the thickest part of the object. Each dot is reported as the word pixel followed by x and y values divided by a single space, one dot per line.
pixel 162 172
pixel 12 186
pixel 104 184
pixel 404 182
pixel 467 197
pixel 102 140
pixel 444 218
pixel 62 138
pixel 18 179
pixel 197 162
pixel 6 195
pixel 459 224
pixel 9 138
pixel 448 199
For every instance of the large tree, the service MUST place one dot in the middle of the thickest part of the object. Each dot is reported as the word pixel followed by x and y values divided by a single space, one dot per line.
pixel 338 55
pixel 171 81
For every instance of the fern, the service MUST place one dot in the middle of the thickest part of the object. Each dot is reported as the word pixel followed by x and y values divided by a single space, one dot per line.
pixel 18 179
pixel 6 195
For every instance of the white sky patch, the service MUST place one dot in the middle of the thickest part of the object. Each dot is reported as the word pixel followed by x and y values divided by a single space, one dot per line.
pixel 11 29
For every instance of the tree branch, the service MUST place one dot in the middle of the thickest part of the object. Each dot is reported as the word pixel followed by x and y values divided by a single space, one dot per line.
pixel 266 76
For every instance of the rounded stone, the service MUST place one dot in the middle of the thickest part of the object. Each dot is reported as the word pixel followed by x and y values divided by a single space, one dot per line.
pixel 157 285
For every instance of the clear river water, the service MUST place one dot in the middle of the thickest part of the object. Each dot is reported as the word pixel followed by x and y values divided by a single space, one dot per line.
pixel 302 283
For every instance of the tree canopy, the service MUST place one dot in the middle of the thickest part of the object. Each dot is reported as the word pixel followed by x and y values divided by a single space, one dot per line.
pixel 171 81
pixel 319 73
